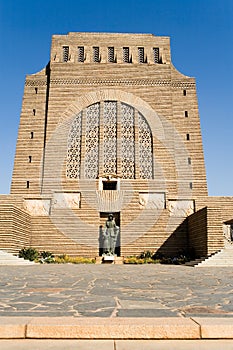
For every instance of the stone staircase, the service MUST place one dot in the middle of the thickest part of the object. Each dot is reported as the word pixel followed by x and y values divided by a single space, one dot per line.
pixel 223 258
pixel 9 259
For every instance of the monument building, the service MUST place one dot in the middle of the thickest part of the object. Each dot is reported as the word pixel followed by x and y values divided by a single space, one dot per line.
pixel 110 129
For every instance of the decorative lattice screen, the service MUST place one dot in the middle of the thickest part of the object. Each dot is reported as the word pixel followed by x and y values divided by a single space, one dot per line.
pixel 74 148
pixel 110 137
pixel 127 142
pixel 114 115
pixel 92 141
pixel 145 149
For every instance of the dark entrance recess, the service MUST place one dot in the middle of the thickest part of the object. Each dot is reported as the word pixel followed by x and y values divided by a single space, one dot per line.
pixel 109 186
pixel 103 218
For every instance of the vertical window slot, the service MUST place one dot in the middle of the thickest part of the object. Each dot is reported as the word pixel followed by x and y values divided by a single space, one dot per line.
pixel 126 54
pixel 111 57
pixel 156 54
pixel 141 55
pixel 80 53
pixel 96 54
pixel 65 53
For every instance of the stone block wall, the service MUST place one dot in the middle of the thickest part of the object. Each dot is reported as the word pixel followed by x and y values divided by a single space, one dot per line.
pixel 76 78
pixel 55 95
pixel 205 231
pixel 15 228
pixel 197 233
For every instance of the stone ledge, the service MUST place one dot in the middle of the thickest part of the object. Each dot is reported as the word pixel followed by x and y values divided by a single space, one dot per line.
pixel 13 327
pixel 115 328
pixel 215 327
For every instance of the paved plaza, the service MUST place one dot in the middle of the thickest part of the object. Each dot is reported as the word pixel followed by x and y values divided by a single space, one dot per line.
pixel 115 291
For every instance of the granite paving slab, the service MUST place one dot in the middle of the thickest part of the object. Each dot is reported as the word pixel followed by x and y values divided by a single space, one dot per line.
pixel 115 291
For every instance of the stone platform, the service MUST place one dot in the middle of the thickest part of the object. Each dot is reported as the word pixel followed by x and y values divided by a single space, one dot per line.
pixel 115 302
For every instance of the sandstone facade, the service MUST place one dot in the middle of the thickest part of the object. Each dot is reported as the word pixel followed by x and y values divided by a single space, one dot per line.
pixel 110 126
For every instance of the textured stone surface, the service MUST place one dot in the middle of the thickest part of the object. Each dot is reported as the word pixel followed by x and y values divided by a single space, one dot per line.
pixel 114 328
pixel 37 207
pixel 142 142
pixel 150 142
pixel 214 328
pixel 115 291
pixel 41 344
pixel 174 344
pixel 11 328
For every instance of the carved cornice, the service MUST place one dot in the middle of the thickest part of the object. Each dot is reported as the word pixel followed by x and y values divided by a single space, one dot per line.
pixel 35 83
pixel 116 82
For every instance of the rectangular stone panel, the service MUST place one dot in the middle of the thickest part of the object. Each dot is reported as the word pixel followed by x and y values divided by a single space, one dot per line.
pixel 66 200
pixel 181 208
pixel 151 200
pixel 37 207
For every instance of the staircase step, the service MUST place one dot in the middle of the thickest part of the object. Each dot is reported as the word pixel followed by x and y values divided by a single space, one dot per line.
pixel 9 259
pixel 223 258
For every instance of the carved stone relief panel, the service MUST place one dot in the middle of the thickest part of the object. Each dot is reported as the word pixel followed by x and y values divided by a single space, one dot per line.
pixel 181 208
pixel 37 207
pixel 151 200
pixel 66 200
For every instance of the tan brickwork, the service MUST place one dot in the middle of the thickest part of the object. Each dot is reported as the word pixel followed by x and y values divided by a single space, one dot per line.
pixel 167 101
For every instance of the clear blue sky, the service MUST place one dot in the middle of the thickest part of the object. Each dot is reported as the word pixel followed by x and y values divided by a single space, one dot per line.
pixel 201 34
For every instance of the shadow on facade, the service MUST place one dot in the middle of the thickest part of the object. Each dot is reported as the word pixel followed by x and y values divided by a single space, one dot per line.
pixel 188 239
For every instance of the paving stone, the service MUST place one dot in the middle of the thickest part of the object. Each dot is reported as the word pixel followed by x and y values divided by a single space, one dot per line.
pixel 140 304
pixel 146 313
pixel 178 289
pixel 174 344
pixel 41 344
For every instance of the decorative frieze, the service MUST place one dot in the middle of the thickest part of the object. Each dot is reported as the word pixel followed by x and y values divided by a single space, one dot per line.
pixel 37 207
pixel 181 208
pixel 151 200
pixel 123 82
pixel 62 200
pixel 36 82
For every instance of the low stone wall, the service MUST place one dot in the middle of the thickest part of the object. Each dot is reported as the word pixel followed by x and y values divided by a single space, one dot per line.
pixel 15 227
pixel 205 231
pixel 197 232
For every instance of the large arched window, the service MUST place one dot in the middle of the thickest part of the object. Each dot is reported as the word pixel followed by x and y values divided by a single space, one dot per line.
pixel 116 140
